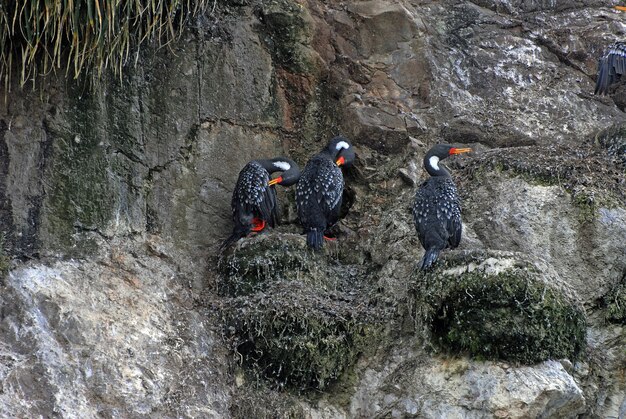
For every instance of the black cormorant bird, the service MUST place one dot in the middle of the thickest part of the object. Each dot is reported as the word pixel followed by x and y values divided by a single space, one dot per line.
pixel 611 67
pixel 320 188
pixel 254 198
pixel 437 207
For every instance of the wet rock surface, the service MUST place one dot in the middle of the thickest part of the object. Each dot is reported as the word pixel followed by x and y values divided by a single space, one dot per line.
pixel 119 329
pixel 113 203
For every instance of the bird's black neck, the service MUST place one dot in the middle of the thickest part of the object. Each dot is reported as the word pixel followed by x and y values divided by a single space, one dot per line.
pixel 268 164
pixel 434 167
pixel 329 154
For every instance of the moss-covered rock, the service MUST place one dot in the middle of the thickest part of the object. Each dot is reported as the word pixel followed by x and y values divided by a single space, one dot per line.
pixel 301 336
pixel 80 196
pixel 257 261
pixel 287 32
pixel 566 167
pixel 297 317
pixel 500 306
pixel 261 402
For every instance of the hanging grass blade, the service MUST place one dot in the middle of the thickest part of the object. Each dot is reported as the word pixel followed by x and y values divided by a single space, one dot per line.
pixel 88 35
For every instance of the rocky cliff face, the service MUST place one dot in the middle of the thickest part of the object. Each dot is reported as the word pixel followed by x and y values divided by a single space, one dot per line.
pixel 113 202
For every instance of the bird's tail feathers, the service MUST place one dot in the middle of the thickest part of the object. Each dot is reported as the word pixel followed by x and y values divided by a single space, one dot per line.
pixel 314 239
pixel 429 258
pixel 231 239
pixel 239 231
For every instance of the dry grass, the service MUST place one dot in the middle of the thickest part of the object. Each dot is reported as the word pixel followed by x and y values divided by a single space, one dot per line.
pixel 40 36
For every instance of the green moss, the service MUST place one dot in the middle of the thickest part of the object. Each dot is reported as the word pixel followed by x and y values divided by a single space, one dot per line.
pixel 507 313
pixel 79 191
pixel 297 335
pixel 615 303
pixel 287 33
pixel 266 258
pixel 568 169
pixel 588 206
pixel 5 262
pixel 297 317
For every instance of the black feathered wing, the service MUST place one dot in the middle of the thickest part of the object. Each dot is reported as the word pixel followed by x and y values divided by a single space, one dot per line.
pixel 267 207
pixel 318 197
pixel 455 226
pixel 252 197
pixel 437 217
pixel 421 211
pixel 329 191
pixel 610 67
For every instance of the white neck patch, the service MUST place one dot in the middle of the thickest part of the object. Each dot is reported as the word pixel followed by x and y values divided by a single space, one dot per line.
pixel 342 144
pixel 282 165
pixel 434 162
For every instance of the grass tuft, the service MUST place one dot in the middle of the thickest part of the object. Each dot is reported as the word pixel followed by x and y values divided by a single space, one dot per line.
pixel 41 36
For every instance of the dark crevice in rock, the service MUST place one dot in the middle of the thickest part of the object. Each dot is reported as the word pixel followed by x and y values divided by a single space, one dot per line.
pixel 132 157
pixel 78 228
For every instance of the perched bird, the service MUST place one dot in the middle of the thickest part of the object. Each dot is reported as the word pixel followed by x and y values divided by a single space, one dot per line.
pixel 254 199
pixel 320 188
pixel 437 207
pixel 611 67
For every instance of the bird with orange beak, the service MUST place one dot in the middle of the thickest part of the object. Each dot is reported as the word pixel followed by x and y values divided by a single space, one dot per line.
pixel 437 206
pixel 320 188
pixel 254 203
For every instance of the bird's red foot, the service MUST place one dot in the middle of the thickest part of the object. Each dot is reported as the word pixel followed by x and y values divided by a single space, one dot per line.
pixel 258 224
pixel 330 239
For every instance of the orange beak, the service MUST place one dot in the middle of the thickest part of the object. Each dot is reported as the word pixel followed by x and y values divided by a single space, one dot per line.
pixel 622 8
pixel 275 181
pixel 459 150
pixel 340 161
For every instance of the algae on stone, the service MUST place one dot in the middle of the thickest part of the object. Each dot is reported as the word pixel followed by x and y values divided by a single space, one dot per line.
pixel 79 193
pixel 287 30
pixel 495 306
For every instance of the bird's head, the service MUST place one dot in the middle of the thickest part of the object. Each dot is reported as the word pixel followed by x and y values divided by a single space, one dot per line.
pixel 440 152
pixel 341 151
pixel 289 168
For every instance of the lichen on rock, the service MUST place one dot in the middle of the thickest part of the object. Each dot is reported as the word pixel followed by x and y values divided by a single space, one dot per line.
pixel 498 305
